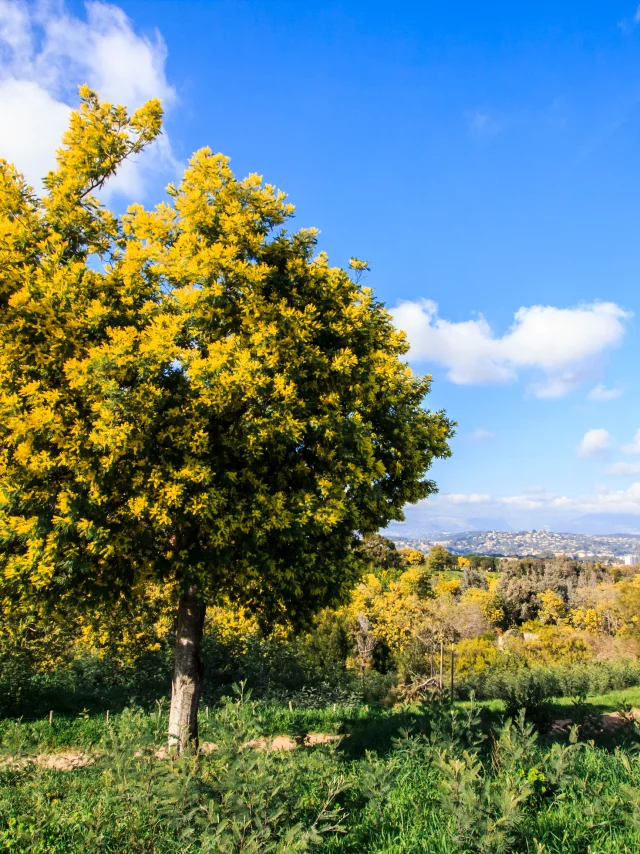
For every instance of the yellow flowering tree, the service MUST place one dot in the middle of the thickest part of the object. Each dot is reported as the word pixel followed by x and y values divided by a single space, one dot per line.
pixel 412 557
pixel 552 608
pixel 189 396
pixel 487 602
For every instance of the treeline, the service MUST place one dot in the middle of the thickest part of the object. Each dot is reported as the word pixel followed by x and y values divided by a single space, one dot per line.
pixel 505 628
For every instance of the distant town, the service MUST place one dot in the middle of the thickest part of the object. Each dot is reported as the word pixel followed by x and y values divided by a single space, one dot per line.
pixel 614 548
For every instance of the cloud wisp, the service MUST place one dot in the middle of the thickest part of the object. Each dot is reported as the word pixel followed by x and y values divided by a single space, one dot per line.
pixel 563 346
pixel 634 446
pixel 46 53
pixel 595 443
pixel 624 469
pixel 601 394
pixel 481 435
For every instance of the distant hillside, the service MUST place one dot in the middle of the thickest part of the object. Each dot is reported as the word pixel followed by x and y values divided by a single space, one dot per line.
pixel 521 543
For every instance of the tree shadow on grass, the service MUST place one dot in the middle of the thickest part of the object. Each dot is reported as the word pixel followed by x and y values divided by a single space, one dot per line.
pixel 88 685
pixel 377 731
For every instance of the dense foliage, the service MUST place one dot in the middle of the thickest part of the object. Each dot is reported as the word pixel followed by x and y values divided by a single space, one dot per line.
pixel 422 779
pixel 189 393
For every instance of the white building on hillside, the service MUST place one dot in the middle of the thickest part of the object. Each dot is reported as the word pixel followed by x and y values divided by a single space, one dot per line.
pixel 631 560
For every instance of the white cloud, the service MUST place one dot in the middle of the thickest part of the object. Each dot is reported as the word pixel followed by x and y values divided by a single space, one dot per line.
pixel 611 501
pixel 634 447
pixel 46 53
pixel 566 345
pixel 561 384
pixel 524 502
pixel 600 393
pixel 624 468
pixel 463 498
pixel 481 435
pixel 595 443
pixel 33 129
pixel 602 500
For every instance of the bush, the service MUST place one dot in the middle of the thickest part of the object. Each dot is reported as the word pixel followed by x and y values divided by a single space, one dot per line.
pixel 524 689
pixel 564 680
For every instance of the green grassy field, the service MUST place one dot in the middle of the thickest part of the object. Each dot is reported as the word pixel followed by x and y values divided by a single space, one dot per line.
pixel 421 779
pixel 612 701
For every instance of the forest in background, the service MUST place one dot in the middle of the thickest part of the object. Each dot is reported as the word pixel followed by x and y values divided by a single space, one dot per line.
pixel 520 630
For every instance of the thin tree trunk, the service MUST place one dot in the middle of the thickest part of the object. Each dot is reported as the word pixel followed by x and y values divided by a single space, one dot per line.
pixel 441 664
pixel 453 646
pixel 188 673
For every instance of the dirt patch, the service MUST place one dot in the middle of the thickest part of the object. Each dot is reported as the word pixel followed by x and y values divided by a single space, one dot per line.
pixel 282 742
pixel 609 722
pixel 68 761
pixel 314 738
pixel 562 725
pixel 165 752
pixel 257 744
pixel 71 760
pixel 65 761
pixel 616 720
pixel 285 742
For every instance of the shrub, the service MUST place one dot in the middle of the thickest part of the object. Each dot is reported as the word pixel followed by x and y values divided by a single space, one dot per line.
pixel 525 689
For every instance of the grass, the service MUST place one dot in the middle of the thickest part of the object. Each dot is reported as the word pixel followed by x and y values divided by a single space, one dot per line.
pixel 408 781
pixel 612 701
pixel 369 725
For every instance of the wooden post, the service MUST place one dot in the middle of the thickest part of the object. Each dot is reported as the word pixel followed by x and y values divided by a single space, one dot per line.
pixel 51 718
pixel 441 664
pixel 107 717
pixel 290 706
pixel 452 659
pixel 206 712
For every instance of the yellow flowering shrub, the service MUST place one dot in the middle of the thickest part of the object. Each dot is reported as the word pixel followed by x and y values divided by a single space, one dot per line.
pixel 552 608
pixel 447 586
pixel 551 644
pixel 473 655
pixel 412 557
pixel 489 604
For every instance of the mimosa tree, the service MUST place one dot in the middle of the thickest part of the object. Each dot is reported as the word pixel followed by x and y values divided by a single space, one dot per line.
pixel 188 394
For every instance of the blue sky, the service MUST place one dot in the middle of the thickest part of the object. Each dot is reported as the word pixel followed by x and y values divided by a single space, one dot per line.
pixel 483 157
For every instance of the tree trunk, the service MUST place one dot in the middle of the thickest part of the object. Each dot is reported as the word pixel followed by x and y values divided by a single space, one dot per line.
pixel 441 664
pixel 188 673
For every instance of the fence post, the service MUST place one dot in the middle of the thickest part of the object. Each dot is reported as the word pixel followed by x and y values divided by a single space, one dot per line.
pixel 452 659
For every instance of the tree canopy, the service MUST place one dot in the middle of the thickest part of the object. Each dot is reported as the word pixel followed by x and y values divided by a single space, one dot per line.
pixel 191 393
